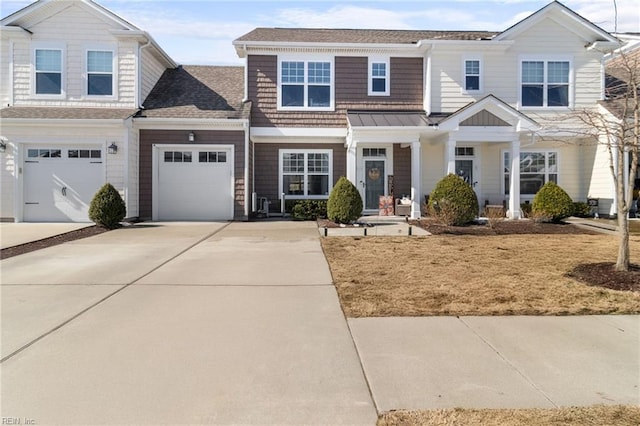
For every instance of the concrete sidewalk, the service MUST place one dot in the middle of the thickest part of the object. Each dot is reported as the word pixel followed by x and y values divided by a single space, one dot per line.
pixel 500 362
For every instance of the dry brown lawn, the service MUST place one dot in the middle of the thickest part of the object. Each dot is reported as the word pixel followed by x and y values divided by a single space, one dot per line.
pixel 598 415
pixel 474 275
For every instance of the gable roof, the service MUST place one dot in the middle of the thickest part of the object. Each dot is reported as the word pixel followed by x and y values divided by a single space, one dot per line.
pixel 24 15
pixel 198 92
pixel 29 16
pixel 558 11
pixel 355 36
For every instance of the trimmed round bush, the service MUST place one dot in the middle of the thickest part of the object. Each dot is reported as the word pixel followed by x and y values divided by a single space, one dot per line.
pixel 107 207
pixel 453 201
pixel 345 202
pixel 552 203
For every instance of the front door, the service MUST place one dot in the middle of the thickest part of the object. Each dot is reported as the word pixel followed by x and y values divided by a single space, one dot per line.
pixel 464 169
pixel 374 183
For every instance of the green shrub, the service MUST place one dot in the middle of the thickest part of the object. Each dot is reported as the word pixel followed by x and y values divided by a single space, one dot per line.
pixel 306 209
pixel 581 209
pixel 453 201
pixel 552 203
pixel 107 207
pixel 345 202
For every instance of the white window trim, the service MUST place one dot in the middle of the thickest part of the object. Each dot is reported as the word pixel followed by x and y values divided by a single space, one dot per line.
pixel 546 152
pixel 281 152
pixel 63 55
pixel 114 72
pixel 546 59
pixel 306 58
pixel 464 90
pixel 387 86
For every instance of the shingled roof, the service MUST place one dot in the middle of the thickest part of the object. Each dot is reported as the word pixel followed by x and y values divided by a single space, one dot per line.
pixel 308 35
pixel 198 92
pixel 59 113
pixel 619 71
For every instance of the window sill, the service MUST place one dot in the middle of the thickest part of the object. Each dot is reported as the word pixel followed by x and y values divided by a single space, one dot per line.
pixel 379 94
pixel 309 109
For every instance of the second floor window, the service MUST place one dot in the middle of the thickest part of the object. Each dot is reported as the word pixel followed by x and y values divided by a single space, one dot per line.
pixel 99 73
pixel 305 84
pixel 378 78
pixel 48 70
pixel 545 83
pixel 471 75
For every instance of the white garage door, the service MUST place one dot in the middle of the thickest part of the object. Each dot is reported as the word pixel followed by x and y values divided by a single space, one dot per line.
pixel 195 183
pixel 59 182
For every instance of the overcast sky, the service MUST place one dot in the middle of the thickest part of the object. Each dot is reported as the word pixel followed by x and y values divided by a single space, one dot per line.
pixel 201 32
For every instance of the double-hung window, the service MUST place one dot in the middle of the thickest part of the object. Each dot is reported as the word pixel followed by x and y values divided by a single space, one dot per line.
pixel 99 73
pixel 545 83
pixel 48 72
pixel 378 77
pixel 305 173
pixel 306 85
pixel 536 169
pixel 472 75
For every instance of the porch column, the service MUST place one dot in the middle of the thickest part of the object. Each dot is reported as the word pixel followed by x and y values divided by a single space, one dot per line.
pixel 514 184
pixel 450 156
pixel 351 164
pixel 416 180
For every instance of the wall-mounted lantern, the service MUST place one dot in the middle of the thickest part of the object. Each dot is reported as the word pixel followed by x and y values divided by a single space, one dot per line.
pixel 113 148
pixel 192 137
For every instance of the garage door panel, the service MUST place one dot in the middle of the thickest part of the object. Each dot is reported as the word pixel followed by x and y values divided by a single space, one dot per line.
pixel 196 189
pixel 60 189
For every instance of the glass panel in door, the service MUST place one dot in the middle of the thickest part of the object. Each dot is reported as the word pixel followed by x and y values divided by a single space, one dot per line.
pixel 464 169
pixel 374 183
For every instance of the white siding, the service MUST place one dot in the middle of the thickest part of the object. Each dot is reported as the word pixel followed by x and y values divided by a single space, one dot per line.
pixel 601 181
pixel 19 135
pixel 152 70
pixel 5 78
pixel 433 166
pixel 133 205
pixel 500 70
pixel 76 29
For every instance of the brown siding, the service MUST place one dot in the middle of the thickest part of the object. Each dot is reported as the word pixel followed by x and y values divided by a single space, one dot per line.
pixel 266 165
pixel 401 171
pixel 150 137
pixel 351 92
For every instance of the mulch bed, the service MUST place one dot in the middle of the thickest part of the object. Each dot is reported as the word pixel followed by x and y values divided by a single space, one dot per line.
pixel 604 275
pixel 8 252
pixel 506 227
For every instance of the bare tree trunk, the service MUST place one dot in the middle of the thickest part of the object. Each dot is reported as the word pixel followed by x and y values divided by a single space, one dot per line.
pixel 622 263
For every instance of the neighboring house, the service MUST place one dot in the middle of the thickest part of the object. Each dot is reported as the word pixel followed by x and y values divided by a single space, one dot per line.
pixel 398 110
pixel 394 111
pixel 74 78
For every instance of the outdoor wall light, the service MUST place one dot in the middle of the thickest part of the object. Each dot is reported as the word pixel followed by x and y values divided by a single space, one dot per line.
pixel 113 148
pixel 192 137
pixel 3 144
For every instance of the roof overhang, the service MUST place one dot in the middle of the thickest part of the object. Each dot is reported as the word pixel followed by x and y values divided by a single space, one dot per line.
pixel 464 45
pixel 144 37
pixel 244 48
pixel 146 123
pixel 14 32
pixel 60 122
pixel 298 134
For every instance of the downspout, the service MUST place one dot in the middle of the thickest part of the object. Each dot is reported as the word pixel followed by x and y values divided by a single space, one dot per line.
pixel 139 61
pixel 247 192
pixel 127 132
pixel 11 79
pixel 246 74
pixel 427 85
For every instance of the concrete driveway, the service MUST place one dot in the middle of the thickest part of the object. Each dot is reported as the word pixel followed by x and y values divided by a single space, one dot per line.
pixel 180 324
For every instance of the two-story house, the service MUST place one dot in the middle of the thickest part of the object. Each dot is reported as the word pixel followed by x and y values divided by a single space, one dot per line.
pixel 395 111
pixel 89 98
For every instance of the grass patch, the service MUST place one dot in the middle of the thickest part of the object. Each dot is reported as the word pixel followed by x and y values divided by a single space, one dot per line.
pixel 474 275
pixel 620 415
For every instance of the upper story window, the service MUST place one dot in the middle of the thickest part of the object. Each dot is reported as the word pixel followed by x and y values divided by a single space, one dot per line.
pixel 472 75
pixel 378 77
pixel 99 73
pixel 545 83
pixel 306 85
pixel 48 72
